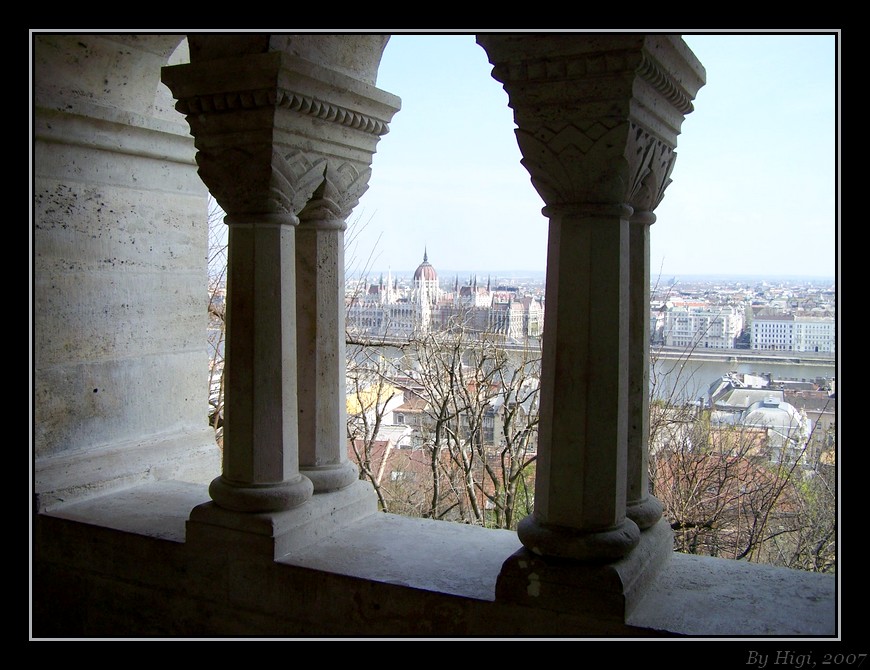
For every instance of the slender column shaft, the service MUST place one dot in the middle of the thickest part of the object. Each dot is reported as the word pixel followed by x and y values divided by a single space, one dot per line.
pixel 597 121
pixel 642 508
pixel 320 331
pixel 281 133
pixel 581 471
pixel 260 457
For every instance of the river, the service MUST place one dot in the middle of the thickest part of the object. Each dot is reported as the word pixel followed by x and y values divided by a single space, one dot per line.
pixel 681 377
pixel 677 376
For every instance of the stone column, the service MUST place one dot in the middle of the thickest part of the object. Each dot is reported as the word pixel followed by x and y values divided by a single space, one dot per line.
pixel 652 177
pixel 592 110
pixel 277 136
pixel 233 116
pixel 641 507
pixel 321 337
pixel 260 456
pixel 581 469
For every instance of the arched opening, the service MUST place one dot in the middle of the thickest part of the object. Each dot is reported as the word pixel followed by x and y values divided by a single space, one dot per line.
pixel 448 175
pixel 448 189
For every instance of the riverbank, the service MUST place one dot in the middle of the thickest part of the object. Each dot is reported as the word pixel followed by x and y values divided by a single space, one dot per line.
pixel 744 356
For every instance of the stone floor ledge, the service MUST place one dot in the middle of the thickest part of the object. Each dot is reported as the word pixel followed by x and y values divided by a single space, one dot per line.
pixel 432 576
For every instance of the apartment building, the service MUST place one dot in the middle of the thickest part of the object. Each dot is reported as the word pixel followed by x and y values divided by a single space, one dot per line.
pixel 794 332
pixel 700 325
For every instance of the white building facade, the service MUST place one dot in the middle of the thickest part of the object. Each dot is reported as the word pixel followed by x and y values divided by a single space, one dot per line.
pixel 389 310
pixel 702 326
pixel 790 332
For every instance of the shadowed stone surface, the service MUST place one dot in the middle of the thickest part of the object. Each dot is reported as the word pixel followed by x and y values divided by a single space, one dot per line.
pixel 691 595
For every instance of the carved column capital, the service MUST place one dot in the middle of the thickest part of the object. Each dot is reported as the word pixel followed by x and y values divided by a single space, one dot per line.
pixel 650 165
pixel 332 200
pixel 266 125
pixel 597 115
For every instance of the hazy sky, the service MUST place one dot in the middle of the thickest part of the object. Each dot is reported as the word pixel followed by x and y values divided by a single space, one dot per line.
pixel 755 184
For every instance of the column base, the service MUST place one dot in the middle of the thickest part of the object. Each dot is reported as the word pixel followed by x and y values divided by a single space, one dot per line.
pixel 275 534
pixel 645 513
pixel 328 478
pixel 561 542
pixel 261 498
pixel 602 591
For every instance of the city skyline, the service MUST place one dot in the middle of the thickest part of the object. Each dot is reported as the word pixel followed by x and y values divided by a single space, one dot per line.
pixel 756 159
pixel 447 276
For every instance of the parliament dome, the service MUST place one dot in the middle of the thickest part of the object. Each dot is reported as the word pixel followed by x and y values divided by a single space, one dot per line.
pixel 425 271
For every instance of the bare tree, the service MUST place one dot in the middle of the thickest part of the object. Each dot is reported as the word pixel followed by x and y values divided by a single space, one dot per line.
pixel 721 492
pixel 478 424
pixel 369 396
pixel 728 491
pixel 217 270
pixel 813 547
pixel 748 493
pixel 511 494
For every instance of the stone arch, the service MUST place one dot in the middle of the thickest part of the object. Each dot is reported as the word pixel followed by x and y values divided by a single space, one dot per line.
pixel 115 71
pixel 356 55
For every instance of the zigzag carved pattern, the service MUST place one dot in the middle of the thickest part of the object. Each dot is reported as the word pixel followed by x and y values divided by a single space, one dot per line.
pixel 352 184
pixel 565 164
pixel 570 138
pixel 319 186
pixel 662 177
pixel 297 102
pixel 563 68
pixel 245 181
pixel 256 180
pixel 338 193
pixel 302 176
pixel 604 161
pixel 651 167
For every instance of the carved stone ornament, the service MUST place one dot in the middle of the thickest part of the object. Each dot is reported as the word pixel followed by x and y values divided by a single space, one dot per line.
pixel 598 114
pixel 338 192
pixel 651 170
pixel 598 160
pixel 252 182
pixel 572 164
pixel 265 126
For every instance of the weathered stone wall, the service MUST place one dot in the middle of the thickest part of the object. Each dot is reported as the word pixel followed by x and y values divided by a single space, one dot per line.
pixel 121 566
pixel 119 295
